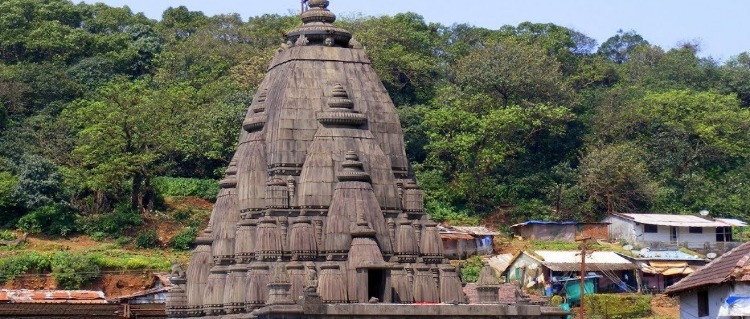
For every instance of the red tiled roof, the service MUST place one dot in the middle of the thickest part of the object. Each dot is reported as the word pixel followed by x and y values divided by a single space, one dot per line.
pixel 731 266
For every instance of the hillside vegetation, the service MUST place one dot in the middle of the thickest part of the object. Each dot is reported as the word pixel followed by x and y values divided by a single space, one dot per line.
pixel 104 113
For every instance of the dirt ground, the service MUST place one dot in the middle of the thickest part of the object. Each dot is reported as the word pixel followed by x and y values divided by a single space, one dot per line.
pixel 113 285
pixel 665 307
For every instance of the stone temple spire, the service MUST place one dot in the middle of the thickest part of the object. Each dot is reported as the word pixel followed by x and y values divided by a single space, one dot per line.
pixel 318 28
pixel 320 195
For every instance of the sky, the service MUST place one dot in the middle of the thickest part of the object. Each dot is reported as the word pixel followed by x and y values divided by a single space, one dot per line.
pixel 722 27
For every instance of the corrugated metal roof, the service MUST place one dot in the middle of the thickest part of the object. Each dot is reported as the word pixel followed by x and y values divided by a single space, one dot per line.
pixel 456 236
pixel 574 257
pixel 139 294
pixel 731 266
pixel 732 222
pixel 539 222
pixel 476 230
pixel 52 296
pixel 665 255
pixel 675 220
pixel 595 261
pixel 500 262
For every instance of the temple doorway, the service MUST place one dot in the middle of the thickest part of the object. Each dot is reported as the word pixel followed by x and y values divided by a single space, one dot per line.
pixel 376 284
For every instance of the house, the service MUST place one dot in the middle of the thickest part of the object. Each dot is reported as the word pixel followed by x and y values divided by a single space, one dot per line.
pixel 461 242
pixel 669 232
pixel 612 272
pixel 560 231
pixel 721 289
pixel 661 269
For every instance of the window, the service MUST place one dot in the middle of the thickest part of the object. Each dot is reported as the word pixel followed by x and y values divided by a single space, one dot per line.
pixel 695 230
pixel 703 303
pixel 724 234
pixel 650 228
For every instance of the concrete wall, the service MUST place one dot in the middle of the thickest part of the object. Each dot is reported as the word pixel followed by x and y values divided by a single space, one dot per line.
pixel 716 297
pixel 621 229
pixel 633 233
pixel 523 261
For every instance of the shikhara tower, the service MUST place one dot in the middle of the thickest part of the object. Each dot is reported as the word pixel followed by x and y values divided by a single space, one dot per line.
pixel 318 205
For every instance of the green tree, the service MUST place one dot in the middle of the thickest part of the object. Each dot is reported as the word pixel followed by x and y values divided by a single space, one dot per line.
pixel 3 117
pixel 619 47
pixel 616 179
pixel 473 140
pixel 39 183
pixel 512 72
pixel 402 49
pixel 735 77
pixel 684 129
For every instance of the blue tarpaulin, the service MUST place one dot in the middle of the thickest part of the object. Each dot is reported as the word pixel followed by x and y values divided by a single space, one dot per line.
pixel 573 290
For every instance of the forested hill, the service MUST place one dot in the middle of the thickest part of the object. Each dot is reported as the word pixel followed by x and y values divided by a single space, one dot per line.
pixel 100 105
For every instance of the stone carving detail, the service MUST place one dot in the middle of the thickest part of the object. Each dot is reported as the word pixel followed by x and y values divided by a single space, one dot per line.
pixel 302 41
pixel 312 279
pixel 177 272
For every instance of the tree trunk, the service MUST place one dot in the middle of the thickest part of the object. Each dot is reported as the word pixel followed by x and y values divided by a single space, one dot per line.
pixel 135 191
pixel 148 194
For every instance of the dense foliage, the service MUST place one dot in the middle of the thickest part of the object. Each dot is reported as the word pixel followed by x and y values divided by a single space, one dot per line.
pixel 104 111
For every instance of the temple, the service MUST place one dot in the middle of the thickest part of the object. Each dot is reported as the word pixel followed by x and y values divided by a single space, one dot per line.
pixel 318 215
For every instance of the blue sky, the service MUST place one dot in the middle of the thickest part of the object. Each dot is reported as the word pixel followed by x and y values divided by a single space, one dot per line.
pixel 721 26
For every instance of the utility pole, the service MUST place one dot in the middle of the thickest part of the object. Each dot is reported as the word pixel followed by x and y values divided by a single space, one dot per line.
pixel 584 243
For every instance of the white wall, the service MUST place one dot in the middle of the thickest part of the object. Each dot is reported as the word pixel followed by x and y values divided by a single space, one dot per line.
pixel 662 234
pixel 716 297
pixel 632 233
pixel 621 229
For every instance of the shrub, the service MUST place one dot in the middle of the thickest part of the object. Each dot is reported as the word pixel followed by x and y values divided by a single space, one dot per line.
pixel 184 239
pixel 556 301
pixel 182 215
pixel 121 259
pixel 471 268
pixel 114 224
pixel 147 239
pixel 98 236
pixel 56 220
pixel 442 212
pixel 7 235
pixel 13 266
pixel 616 306
pixel 177 186
pixel 8 204
pixel 123 240
pixel 73 270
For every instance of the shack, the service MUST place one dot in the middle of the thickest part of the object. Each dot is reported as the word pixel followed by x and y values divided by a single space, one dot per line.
pixel 542 269
pixel 560 231
pixel 461 242
pixel 661 269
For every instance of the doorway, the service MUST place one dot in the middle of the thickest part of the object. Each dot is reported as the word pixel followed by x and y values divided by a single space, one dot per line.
pixel 376 284
pixel 673 234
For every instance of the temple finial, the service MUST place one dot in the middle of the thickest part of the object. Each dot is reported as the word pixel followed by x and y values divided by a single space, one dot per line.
pixel 323 4
pixel 318 28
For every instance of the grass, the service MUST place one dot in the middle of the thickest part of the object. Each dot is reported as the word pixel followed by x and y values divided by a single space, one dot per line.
pixel 105 257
